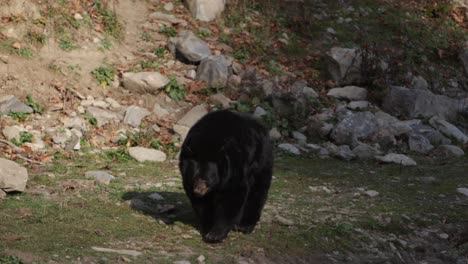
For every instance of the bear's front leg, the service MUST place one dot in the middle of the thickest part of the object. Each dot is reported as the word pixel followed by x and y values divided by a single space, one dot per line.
pixel 228 207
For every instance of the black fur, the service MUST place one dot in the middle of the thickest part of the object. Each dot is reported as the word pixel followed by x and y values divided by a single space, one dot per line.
pixel 226 164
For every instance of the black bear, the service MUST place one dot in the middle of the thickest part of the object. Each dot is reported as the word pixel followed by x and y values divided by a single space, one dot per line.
pixel 226 164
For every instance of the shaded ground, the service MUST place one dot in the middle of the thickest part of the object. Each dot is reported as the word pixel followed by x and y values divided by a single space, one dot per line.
pixel 417 216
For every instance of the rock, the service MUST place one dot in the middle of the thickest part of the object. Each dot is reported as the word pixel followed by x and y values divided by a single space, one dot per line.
pixel 358 105
pixel 11 104
pixel 463 191
pixel 192 116
pixel 190 46
pixel 61 136
pixel 132 253
pixel 156 197
pixel 13 177
pixel 371 193
pixel 213 71
pixel 318 129
pixel 220 99
pixel 168 18
pixel 301 138
pixel 169 6
pixel 385 119
pixel 419 83
pixel 13 132
pixel 283 221
pixel 345 153
pixel 448 151
pixel 144 82
pixel 206 10
pixel 355 127
pixel 103 116
pixel 101 177
pixel 289 148
pixel 73 143
pixel 144 154
pixel 182 131
pixel 113 103
pixel 274 134
pixel 344 65
pixel 301 89
pixel 448 129
pixel 201 259
pixel 159 111
pixel 181 262
pixel 365 151
pixel 259 112
pixel 411 103
pixel 2 194
pixel 397 158
pixel 134 115
pixel 351 93
pixel 419 143
pixel 74 122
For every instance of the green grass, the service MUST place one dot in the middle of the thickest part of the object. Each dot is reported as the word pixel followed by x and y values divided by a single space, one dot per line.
pixel 104 75
pixel 168 31
pixel 175 90
pixel 24 138
pixel 85 215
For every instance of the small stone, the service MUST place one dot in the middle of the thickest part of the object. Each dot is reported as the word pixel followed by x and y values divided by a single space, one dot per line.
pixel 371 193
pixel 259 112
pixel 358 105
pixel 156 197
pixel 201 259
pixel 78 16
pixel 301 138
pixel 397 158
pixel 463 191
pixel 169 6
pixel 352 93
pixel 101 177
pixel 182 262
pixel 134 115
pixel 443 235
pixel 144 154
pixel 283 220
pixel 274 134
pixel 289 148
pixel 220 99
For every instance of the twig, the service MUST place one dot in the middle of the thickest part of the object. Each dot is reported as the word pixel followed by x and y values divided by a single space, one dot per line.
pixel 11 145
pixel 29 160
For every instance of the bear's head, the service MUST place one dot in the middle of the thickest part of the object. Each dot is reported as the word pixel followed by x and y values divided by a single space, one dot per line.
pixel 205 178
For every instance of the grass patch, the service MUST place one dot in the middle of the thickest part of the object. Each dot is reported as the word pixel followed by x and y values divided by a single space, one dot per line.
pixel 104 75
pixel 24 138
pixel 168 31
pixel 175 90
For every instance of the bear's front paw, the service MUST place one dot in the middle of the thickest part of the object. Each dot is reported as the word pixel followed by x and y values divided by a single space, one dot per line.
pixel 215 236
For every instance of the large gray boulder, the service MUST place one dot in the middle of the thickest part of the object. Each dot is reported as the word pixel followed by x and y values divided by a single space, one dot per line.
pixel 144 82
pixel 344 65
pixel 11 104
pixel 192 116
pixel 214 71
pixel 351 93
pixel 190 46
pixel 134 115
pixel 205 10
pixel 354 128
pixel 448 129
pixel 13 177
pixel 411 103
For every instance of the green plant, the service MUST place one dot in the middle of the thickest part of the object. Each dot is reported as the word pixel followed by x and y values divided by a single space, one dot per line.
pixel 66 43
pixel 106 44
pixel 109 20
pixel 145 36
pixel 175 90
pixel 156 144
pixel 274 68
pixel 18 116
pixel 149 65
pixel 10 260
pixel 24 137
pixel 91 119
pixel 119 155
pixel 25 52
pixel 104 75
pixel 168 31
pixel 159 52
pixel 37 108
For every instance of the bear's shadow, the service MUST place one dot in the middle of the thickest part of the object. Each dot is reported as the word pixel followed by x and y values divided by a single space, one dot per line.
pixel 173 207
